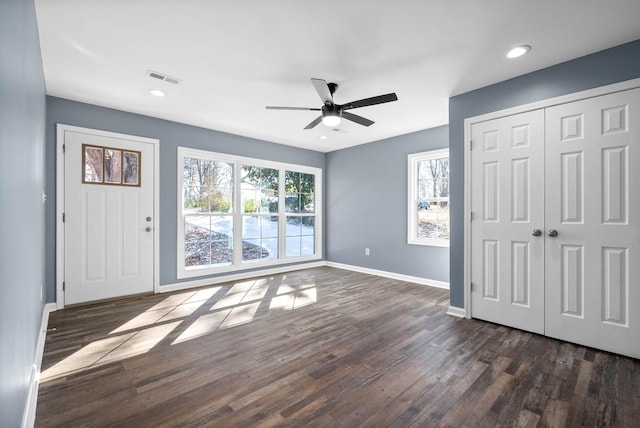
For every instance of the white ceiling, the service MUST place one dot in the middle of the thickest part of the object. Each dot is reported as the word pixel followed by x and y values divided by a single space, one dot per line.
pixel 237 56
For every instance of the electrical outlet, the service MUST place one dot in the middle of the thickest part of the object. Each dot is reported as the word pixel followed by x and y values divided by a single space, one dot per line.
pixel 367 252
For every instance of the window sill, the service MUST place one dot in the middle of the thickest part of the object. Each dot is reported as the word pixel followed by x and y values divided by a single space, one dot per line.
pixel 430 243
pixel 208 271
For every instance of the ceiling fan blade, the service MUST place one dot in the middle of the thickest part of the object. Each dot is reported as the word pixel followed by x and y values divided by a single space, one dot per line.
pixel 371 101
pixel 322 87
pixel 314 123
pixel 292 108
pixel 357 119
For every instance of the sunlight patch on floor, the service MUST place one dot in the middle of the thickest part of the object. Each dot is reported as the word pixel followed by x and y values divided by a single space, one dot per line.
pixel 294 300
pixel 146 318
pixel 204 294
pixel 240 315
pixel 110 349
pixel 204 325
pixel 162 312
pixel 139 335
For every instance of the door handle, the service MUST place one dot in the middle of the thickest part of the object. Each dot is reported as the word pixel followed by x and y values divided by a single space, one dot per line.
pixel 553 233
pixel 536 232
pixel 148 229
pixel 148 218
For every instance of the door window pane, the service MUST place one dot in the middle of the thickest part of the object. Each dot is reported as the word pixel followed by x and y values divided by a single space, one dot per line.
pixel 112 166
pixel 93 164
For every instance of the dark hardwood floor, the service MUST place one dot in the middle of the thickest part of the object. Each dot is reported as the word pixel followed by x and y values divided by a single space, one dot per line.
pixel 321 347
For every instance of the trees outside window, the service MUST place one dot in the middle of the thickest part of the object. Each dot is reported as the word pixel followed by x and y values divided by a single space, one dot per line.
pixel 237 211
pixel 428 198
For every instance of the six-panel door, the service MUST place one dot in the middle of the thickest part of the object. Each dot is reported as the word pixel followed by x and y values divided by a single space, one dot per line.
pixel 593 264
pixel 507 185
pixel 582 204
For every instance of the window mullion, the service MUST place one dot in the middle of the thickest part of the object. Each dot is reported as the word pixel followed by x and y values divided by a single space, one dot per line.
pixel 282 216
pixel 237 215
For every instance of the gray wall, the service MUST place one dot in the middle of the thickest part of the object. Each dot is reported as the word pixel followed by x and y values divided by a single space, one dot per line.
pixel 606 67
pixel 22 150
pixel 366 207
pixel 171 135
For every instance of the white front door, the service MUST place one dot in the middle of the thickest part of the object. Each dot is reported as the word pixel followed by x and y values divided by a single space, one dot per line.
pixel 593 264
pixel 507 258
pixel 108 215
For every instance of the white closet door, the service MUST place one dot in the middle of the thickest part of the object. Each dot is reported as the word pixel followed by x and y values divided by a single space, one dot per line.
pixel 592 201
pixel 507 259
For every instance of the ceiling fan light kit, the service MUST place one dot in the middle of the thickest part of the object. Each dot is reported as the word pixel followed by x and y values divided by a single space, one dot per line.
pixel 331 116
pixel 331 113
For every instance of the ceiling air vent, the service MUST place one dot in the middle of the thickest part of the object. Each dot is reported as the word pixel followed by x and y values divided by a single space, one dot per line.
pixel 164 77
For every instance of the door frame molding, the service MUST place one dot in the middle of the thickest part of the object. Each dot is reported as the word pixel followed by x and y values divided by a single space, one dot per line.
pixel 60 201
pixel 469 122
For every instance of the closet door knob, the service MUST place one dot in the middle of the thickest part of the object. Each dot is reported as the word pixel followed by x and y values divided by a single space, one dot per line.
pixel 536 232
pixel 553 233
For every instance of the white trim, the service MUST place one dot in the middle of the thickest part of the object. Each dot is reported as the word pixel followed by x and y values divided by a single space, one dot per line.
pixel 455 311
pixel 563 99
pixel 29 415
pixel 265 272
pixel 468 122
pixel 412 201
pixel 237 277
pixel 60 199
pixel 59 210
pixel 238 265
pixel 392 275
pixel 467 220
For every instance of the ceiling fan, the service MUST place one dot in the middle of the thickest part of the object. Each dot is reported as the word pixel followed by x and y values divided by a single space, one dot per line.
pixel 332 113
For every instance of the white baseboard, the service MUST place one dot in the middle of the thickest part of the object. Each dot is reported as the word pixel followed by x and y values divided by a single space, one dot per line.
pixel 236 277
pixel 274 271
pixel 29 416
pixel 392 275
pixel 455 311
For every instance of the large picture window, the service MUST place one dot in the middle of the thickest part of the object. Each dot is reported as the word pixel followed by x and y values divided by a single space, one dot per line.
pixel 428 198
pixel 239 212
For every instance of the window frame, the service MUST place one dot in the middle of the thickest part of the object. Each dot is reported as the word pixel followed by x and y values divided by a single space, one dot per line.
pixel 237 214
pixel 412 201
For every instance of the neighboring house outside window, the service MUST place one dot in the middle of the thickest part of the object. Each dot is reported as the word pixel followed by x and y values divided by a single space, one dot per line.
pixel 428 198
pixel 238 213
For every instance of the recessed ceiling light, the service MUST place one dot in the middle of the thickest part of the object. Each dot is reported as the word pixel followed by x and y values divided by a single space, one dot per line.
pixel 156 92
pixel 323 137
pixel 518 51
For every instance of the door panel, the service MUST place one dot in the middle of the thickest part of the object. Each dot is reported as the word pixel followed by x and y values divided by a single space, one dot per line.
pixel 108 249
pixel 592 289
pixel 507 261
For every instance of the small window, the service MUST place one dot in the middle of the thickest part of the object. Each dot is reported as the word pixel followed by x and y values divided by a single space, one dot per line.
pixel 104 165
pixel 428 198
